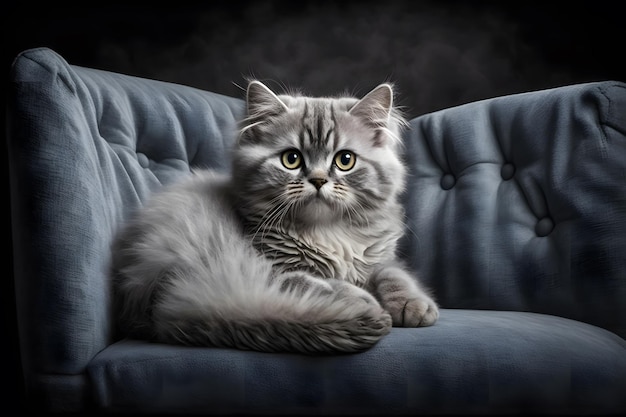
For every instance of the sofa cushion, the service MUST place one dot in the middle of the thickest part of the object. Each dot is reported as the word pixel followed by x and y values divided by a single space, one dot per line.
pixel 471 361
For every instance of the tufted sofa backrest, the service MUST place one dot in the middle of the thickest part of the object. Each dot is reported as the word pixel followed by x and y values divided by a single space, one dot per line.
pixel 85 148
pixel 519 203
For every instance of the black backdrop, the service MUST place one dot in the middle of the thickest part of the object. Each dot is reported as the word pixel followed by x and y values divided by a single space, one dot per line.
pixel 439 54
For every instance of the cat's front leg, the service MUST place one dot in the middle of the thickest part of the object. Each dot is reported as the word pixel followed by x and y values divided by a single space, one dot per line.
pixel 300 282
pixel 352 309
pixel 401 295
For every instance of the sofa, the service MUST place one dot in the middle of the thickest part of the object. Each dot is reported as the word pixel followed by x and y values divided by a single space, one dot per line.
pixel 516 219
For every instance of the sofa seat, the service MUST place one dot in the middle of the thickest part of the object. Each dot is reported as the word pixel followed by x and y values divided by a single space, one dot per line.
pixel 514 360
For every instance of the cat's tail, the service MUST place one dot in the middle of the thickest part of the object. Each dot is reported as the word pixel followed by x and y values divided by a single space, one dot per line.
pixel 334 317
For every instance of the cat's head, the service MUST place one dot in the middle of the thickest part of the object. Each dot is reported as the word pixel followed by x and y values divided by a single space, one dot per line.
pixel 313 160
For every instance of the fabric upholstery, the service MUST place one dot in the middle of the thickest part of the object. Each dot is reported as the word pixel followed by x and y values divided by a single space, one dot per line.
pixel 519 203
pixel 86 147
pixel 516 211
pixel 470 362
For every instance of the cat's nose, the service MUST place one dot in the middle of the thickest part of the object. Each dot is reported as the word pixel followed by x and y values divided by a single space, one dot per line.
pixel 317 182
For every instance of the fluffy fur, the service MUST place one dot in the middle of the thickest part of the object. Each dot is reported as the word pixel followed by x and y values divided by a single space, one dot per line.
pixel 295 251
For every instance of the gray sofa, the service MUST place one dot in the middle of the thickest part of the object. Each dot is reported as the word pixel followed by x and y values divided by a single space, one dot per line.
pixel 516 218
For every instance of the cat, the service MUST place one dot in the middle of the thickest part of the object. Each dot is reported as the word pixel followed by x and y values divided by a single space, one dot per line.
pixel 294 251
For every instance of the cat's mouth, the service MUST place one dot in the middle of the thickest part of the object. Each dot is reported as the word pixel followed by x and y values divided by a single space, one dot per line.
pixel 318 207
pixel 321 196
pixel 318 199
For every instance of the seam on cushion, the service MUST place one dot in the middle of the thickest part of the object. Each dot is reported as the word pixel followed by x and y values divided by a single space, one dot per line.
pixel 115 365
pixel 519 186
pixel 47 68
pixel 445 144
pixel 462 172
pixel 600 116
pixel 602 120
pixel 534 210
pixel 494 131
pixel 426 137
pixel 24 54
pixel 125 170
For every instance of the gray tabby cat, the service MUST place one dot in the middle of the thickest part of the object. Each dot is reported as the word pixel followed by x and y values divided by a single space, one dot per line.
pixel 293 252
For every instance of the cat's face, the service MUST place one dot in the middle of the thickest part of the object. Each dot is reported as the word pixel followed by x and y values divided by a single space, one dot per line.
pixel 314 161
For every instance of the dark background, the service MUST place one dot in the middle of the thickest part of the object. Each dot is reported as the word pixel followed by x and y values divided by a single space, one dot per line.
pixel 438 53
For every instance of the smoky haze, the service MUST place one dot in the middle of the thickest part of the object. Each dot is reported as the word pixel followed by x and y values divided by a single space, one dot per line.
pixel 437 55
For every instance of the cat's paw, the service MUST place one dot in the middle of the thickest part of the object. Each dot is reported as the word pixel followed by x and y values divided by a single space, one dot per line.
pixel 362 307
pixel 344 289
pixel 414 312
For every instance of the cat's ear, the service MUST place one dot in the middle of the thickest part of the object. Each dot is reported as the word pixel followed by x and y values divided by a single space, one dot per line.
pixel 262 101
pixel 375 108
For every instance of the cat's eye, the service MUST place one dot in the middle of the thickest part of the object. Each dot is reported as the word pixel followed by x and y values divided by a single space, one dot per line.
pixel 291 159
pixel 345 160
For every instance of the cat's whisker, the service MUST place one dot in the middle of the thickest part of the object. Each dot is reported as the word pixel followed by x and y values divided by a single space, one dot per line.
pixel 354 216
pixel 276 218
pixel 360 215
pixel 270 218
pixel 282 205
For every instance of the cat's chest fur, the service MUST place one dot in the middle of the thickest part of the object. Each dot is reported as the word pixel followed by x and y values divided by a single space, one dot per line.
pixel 328 252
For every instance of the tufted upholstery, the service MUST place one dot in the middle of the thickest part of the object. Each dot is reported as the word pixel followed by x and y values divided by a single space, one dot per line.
pixel 519 203
pixel 86 147
pixel 516 213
